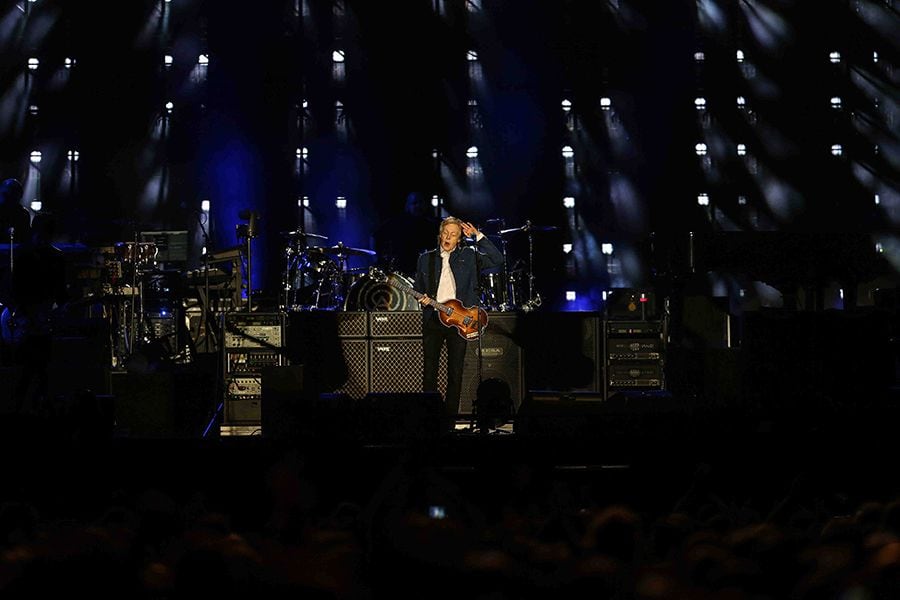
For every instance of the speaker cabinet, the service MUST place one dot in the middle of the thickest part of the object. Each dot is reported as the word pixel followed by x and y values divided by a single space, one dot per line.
pixel 501 359
pixel 396 365
pixel 405 323
pixel 353 375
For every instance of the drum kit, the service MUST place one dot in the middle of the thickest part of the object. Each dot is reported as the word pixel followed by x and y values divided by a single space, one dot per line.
pixel 318 277
pixel 512 288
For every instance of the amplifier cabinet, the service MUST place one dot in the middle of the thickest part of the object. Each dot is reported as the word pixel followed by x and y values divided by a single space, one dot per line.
pixel 401 323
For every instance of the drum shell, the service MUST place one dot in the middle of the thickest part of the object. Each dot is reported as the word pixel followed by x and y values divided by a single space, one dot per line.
pixel 371 294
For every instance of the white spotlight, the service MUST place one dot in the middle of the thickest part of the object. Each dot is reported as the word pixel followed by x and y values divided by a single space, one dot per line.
pixel 606 248
pixel 169 107
pixel 204 205
pixel 33 64
pixel 605 103
pixel 739 56
pixel 337 56
pixel 703 199
pixel 566 105
pixel 834 57
pixel 302 152
pixel 36 205
pixel 472 55
pixel 69 62
pixel 73 155
pixel 571 296
pixel 567 248
pixel 168 60
pixel 203 60
pixel 836 102
pixel 700 149
pixel 435 201
pixel 341 202
pixel 741 149
pixel 303 201
pixel 741 102
pixel 35 156
pixel 569 202
pixel 837 149
pixel 568 152
pixel 699 56
pixel 877 199
pixel 472 152
pixel 700 103
pixel 33 109
pixel 742 200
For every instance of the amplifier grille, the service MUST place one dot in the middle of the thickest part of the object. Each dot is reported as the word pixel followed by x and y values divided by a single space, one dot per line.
pixel 396 365
pixel 396 323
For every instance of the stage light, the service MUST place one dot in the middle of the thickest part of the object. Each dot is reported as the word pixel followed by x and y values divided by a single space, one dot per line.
pixel 302 152
pixel 35 156
pixel 742 200
pixel 568 152
pixel 700 149
pixel 836 102
pixel 472 55
pixel 606 248
pixel 834 57
pixel 435 201
pixel 877 199
pixel 567 248
pixel 741 149
pixel 33 109
pixel 569 202
pixel 36 205
pixel 571 296
pixel 169 107
pixel 700 103
pixel 341 202
pixel 739 56
pixel 741 102
pixel 303 201
pixel 879 247
pixel 566 105
pixel 33 64
pixel 703 199
pixel 168 60
pixel 337 56
pixel 203 60
pixel 473 6
pixel 73 155
pixel 472 152
pixel 837 149
pixel 699 57
pixel 204 205
pixel 605 103
pixel 875 57
pixel 69 62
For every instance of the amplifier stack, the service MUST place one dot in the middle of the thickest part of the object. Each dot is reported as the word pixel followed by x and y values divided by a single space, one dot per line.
pixel 634 343
pixel 251 343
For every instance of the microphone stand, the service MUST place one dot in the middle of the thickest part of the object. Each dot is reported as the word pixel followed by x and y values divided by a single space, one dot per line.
pixel 207 308
pixel 472 420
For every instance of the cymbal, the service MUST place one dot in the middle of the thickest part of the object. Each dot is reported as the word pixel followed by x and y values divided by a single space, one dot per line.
pixel 529 227
pixel 340 249
pixel 302 234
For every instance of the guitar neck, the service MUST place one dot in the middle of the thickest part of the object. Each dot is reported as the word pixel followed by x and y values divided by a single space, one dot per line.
pixel 419 295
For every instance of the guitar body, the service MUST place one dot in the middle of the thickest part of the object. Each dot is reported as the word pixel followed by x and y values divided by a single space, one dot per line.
pixel 469 321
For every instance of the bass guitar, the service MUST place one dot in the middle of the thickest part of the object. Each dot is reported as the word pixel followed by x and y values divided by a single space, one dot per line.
pixel 469 322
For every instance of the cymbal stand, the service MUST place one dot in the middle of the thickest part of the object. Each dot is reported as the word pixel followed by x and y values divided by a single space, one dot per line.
pixel 534 298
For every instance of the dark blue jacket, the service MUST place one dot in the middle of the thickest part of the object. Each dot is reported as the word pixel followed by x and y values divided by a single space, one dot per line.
pixel 462 263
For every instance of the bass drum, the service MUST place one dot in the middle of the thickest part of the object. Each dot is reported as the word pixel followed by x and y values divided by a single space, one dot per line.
pixel 369 294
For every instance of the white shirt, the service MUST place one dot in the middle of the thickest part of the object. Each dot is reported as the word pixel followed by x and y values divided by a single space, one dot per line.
pixel 447 284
